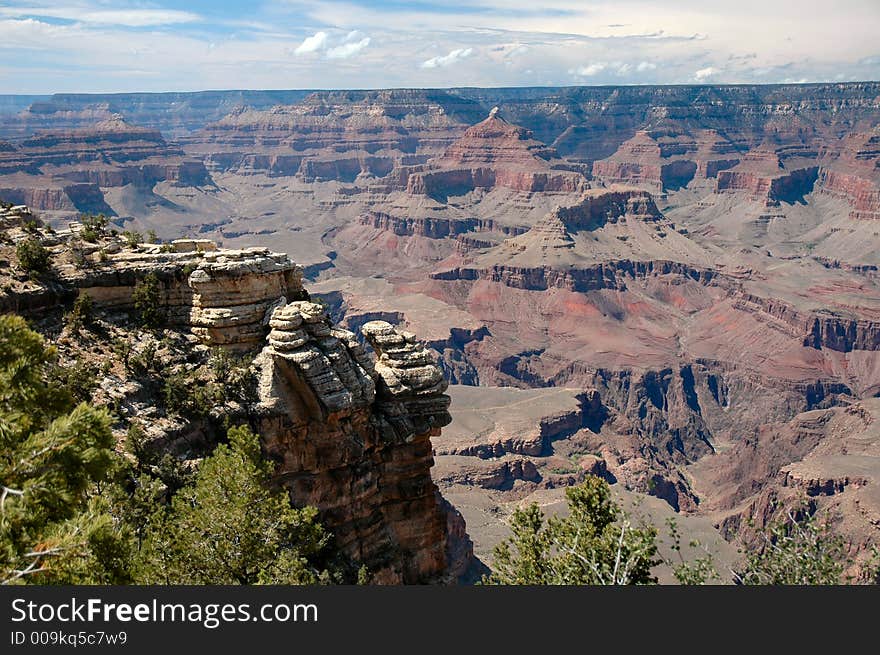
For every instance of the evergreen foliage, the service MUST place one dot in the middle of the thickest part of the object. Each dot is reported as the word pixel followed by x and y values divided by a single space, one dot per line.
pixel 594 544
pixel 147 301
pixel 32 256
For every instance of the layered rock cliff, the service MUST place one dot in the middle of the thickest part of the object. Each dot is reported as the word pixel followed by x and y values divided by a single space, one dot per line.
pixel 68 170
pixel 350 430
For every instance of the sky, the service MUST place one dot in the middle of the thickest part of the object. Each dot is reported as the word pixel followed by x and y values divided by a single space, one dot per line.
pixel 126 45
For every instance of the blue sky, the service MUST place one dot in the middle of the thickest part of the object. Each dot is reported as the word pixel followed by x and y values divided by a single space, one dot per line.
pixel 122 45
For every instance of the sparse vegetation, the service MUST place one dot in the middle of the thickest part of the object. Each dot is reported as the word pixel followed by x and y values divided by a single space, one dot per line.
pixel 80 379
pixel 31 227
pixel 146 299
pixel 132 239
pixel 94 227
pixel 187 395
pixel 594 544
pixel 75 512
pixel 700 571
pixel 798 549
pixel 81 314
pixel 33 257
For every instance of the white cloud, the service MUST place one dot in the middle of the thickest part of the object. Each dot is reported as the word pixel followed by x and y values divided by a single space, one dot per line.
pixel 348 49
pixel 333 47
pixel 315 42
pixel 592 69
pixel 442 61
pixel 619 68
pixel 123 17
pixel 509 43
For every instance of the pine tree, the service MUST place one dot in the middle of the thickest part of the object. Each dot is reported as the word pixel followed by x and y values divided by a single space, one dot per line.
pixel 54 525
pixel 594 544
pixel 796 550
pixel 231 527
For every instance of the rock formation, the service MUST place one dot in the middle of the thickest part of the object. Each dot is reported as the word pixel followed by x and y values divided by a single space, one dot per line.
pixel 765 176
pixel 855 175
pixel 495 153
pixel 351 436
pixel 68 170
pixel 662 160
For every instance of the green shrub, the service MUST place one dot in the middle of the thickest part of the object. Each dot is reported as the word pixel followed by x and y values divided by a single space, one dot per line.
pixel 595 544
pixel 32 256
pixel 94 227
pixel 231 527
pixel 54 529
pixel 81 314
pixel 796 550
pixel 132 239
pixel 186 395
pixel 80 379
pixel 146 299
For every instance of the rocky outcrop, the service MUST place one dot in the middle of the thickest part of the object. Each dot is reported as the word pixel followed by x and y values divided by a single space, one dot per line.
pixel 351 434
pixel 855 175
pixel 606 275
pixel 440 227
pixel 861 192
pixel 352 438
pixel 818 330
pixel 495 153
pixel 767 177
pixel 663 159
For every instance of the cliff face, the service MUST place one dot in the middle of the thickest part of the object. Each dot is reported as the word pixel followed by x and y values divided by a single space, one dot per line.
pixel 662 160
pixel 350 431
pixel 353 438
pixel 854 175
pixel 495 153
pixel 330 136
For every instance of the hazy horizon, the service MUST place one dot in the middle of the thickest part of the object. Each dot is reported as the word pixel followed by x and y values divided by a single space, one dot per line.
pixel 429 88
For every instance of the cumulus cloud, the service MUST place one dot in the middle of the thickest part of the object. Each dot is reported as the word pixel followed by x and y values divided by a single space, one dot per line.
pixel 313 43
pixel 592 69
pixel 348 49
pixel 619 68
pixel 704 73
pixel 645 66
pixel 332 46
pixel 442 61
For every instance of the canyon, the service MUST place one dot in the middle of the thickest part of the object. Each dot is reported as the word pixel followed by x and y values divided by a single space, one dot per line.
pixel 675 288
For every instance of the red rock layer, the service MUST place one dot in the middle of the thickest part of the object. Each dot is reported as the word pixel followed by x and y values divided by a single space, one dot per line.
pixel 331 136
pixel 663 160
pixel 495 153
pixel 855 175
pixel 765 174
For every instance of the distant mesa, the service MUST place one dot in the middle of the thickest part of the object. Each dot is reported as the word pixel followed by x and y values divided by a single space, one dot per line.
pixel 69 170
pixel 496 153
